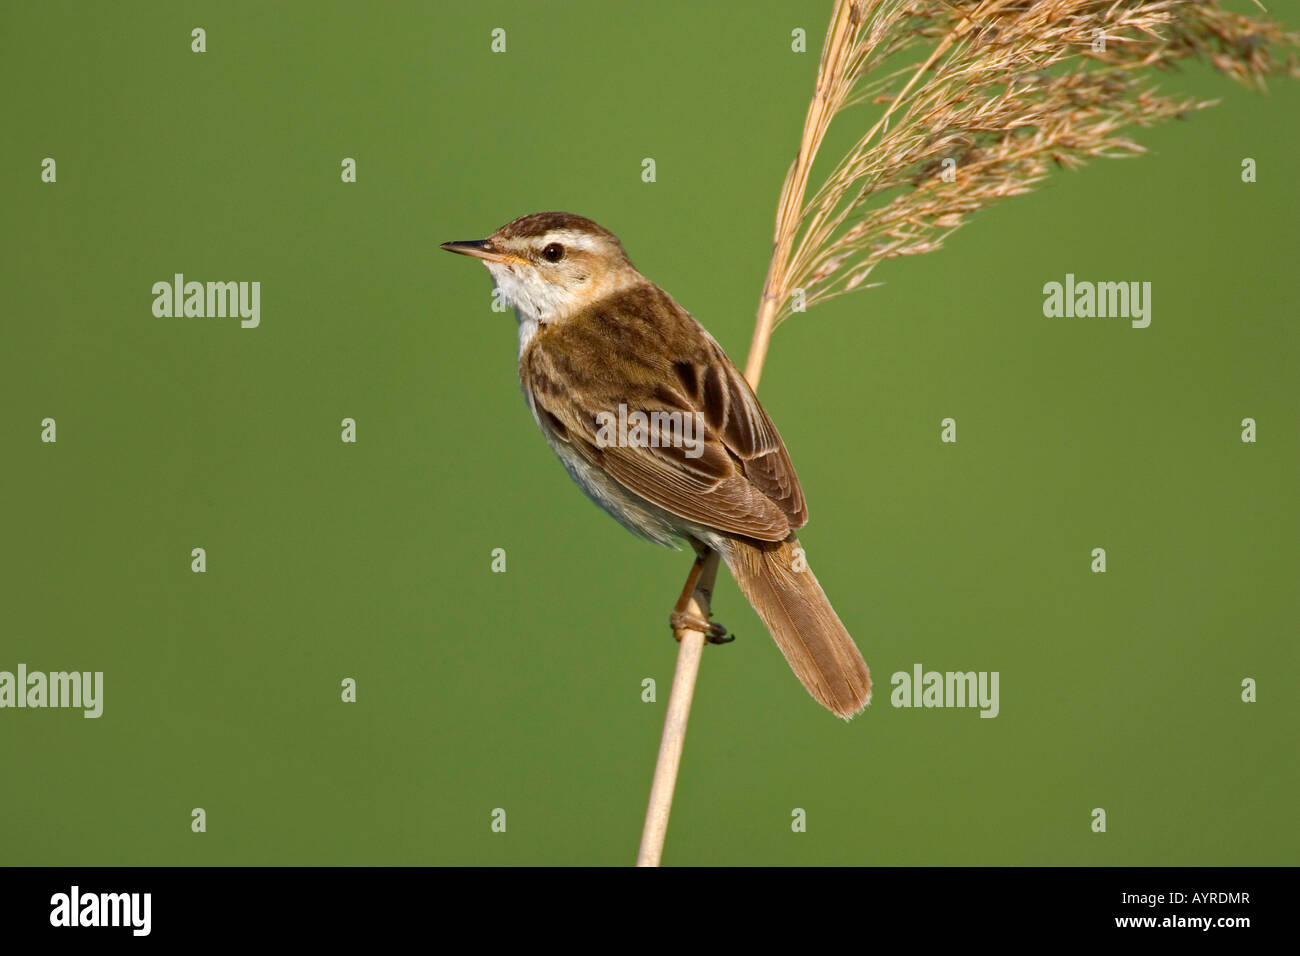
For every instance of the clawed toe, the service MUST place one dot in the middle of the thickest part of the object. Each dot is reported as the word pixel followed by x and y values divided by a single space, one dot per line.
pixel 713 632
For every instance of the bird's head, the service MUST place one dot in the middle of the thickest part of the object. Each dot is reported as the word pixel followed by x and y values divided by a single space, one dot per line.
pixel 551 265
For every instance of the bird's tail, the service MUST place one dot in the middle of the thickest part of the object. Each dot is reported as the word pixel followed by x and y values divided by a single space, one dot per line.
pixel 786 595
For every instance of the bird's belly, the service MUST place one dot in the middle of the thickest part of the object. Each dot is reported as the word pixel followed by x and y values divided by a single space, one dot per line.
pixel 639 516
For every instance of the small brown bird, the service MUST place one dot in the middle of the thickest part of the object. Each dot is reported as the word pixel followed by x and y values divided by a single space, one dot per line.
pixel 659 428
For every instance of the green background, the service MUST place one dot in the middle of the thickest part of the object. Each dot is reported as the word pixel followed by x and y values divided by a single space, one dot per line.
pixel 523 690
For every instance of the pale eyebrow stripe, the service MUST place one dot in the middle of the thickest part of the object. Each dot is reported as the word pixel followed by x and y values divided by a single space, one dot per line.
pixel 571 237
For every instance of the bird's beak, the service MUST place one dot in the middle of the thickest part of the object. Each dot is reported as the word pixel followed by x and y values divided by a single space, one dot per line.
pixel 480 249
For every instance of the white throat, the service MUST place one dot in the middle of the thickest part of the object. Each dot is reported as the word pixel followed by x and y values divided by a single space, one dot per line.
pixel 538 302
pixel 535 303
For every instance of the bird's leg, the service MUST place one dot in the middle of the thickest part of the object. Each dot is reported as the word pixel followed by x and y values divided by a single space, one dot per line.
pixel 682 618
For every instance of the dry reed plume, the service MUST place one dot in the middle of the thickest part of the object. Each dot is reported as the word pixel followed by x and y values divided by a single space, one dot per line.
pixel 1005 89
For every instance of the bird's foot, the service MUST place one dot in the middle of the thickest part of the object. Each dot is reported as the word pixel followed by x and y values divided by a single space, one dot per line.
pixel 713 632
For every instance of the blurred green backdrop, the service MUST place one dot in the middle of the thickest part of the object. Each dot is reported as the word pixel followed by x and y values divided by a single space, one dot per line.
pixel 522 690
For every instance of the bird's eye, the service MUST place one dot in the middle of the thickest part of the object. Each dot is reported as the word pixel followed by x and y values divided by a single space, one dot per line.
pixel 554 252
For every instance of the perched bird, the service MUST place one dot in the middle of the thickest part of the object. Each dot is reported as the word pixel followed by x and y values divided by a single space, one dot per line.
pixel 659 428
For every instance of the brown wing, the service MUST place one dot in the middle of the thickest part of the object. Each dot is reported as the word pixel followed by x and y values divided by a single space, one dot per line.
pixel 642 350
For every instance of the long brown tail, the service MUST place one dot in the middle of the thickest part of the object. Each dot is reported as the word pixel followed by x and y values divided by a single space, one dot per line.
pixel 795 609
